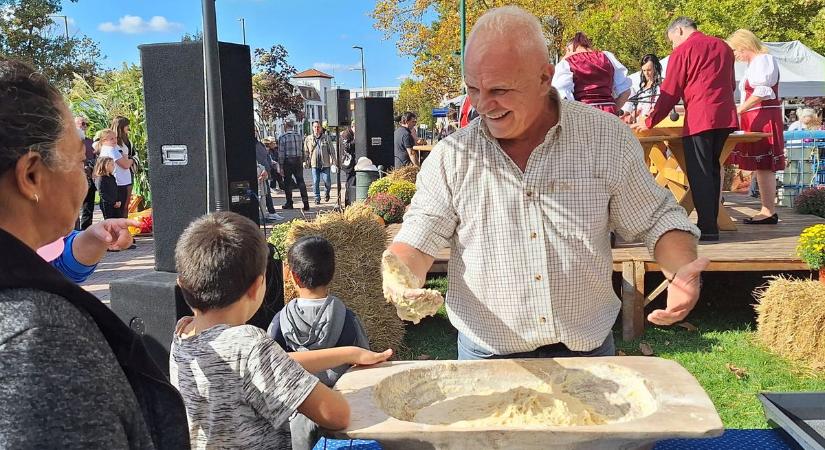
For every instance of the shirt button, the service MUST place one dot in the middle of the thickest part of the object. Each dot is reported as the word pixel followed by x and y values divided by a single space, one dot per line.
pixel 533 235
pixel 542 319
pixel 529 193
pixel 538 277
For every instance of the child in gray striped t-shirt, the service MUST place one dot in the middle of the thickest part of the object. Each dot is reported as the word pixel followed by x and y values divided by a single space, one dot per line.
pixel 238 385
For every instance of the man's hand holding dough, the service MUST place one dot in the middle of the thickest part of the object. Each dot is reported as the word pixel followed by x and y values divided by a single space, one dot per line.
pixel 403 289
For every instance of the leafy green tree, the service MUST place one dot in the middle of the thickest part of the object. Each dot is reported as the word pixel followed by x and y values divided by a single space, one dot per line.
pixel 413 96
pixel 276 97
pixel 28 33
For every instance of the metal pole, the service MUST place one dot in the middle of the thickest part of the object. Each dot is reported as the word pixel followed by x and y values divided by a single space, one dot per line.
pixel 243 29
pixel 217 192
pixel 363 72
pixel 66 24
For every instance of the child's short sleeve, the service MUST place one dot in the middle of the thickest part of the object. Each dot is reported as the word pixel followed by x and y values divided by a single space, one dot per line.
pixel 274 384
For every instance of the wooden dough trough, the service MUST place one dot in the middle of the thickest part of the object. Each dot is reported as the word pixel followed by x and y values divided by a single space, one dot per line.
pixel 637 400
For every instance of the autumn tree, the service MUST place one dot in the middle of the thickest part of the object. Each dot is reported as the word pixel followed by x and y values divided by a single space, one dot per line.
pixel 413 96
pixel 28 33
pixel 276 97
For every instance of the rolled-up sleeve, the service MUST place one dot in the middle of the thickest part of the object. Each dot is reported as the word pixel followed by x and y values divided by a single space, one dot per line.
pixel 640 209
pixel 430 223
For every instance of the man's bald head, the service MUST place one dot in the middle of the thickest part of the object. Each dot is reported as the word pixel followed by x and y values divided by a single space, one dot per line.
pixel 511 30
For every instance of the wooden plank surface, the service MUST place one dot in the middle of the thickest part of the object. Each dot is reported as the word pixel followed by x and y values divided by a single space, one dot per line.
pixel 751 248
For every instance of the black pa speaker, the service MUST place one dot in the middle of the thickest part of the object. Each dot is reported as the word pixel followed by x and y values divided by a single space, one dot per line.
pixel 374 130
pixel 151 304
pixel 173 86
pixel 338 112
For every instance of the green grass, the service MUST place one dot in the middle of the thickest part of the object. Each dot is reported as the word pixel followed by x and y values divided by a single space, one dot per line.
pixel 725 337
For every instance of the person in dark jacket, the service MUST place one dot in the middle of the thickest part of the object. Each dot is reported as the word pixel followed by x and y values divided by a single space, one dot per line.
pixel 87 211
pixel 107 186
pixel 73 375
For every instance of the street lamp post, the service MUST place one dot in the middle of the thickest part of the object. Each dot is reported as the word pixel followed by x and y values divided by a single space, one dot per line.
pixel 65 24
pixel 363 72
pixel 243 29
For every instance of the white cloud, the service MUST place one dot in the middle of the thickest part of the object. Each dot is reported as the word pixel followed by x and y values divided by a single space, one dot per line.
pixel 403 77
pixel 135 25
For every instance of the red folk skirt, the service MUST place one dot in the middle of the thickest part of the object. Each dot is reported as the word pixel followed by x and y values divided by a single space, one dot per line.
pixel 768 153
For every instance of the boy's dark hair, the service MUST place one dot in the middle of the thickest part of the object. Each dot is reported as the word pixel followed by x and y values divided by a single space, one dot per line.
pixel 217 258
pixel 312 258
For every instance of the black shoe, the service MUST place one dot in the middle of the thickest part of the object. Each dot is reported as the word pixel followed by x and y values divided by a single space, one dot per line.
pixel 306 207
pixel 318 201
pixel 289 206
pixel 772 220
pixel 132 247
pixel 709 237
pixel 326 199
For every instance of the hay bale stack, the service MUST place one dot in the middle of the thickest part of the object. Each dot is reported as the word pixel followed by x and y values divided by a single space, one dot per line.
pixel 359 240
pixel 406 173
pixel 791 320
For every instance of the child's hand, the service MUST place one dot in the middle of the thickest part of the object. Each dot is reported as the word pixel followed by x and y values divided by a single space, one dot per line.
pixel 117 204
pixel 364 357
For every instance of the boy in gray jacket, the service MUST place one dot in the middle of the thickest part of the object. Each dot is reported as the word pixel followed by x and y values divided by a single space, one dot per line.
pixel 315 320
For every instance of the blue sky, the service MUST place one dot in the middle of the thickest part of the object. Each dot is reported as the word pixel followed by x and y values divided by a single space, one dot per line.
pixel 317 34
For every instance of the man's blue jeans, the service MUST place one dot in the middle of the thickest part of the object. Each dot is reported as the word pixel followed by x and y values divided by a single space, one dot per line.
pixel 468 350
pixel 317 174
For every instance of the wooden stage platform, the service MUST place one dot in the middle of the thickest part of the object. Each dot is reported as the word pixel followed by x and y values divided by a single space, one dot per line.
pixel 751 248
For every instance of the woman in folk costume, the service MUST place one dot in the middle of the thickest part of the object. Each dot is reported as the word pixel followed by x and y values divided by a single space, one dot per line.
pixel 643 98
pixel 760 110
pixel 591 76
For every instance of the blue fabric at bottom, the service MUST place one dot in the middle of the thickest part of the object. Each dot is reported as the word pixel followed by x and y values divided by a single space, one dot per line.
pixel 356 444
pixel 731 440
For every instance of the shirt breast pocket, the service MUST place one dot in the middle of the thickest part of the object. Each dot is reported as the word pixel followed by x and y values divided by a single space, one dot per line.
pixel 578 208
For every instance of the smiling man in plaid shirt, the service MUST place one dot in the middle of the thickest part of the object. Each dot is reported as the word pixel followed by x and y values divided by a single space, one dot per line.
pixel 525 197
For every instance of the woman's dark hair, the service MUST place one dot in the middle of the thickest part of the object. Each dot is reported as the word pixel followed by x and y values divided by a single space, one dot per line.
pixel 312 259
pixel 118 124
pixel 580 40
pixel 30 114
pixel 657 70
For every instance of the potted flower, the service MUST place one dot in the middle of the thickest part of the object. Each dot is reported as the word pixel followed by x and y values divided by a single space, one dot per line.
pixel 811 249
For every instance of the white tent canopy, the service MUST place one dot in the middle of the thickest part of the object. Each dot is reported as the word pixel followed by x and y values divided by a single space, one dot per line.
pixel 801 70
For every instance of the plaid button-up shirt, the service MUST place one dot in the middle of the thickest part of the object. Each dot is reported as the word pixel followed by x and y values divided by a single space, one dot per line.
pixel 530 259
pixel 290 147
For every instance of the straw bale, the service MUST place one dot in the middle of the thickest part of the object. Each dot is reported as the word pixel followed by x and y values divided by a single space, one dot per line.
pixel 791 320
pixel 406 173
pixel 359 240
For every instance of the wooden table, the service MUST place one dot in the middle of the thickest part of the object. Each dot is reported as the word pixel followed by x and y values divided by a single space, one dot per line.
pixel 671 172
pixel 422 148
